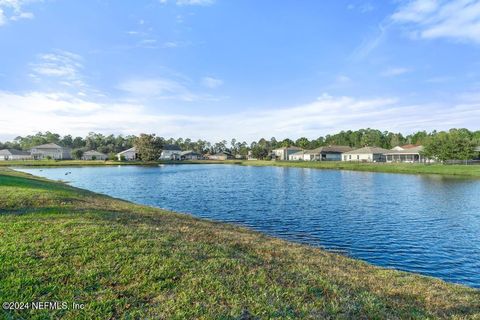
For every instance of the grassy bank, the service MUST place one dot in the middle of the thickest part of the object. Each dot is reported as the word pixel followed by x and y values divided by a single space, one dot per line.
pixel 456 170
pixel 123 260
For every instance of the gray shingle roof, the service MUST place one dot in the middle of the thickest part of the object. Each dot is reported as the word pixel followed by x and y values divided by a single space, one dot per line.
pixel 94 153
pixel 414 150
pixel 369 150
pixel 13 152
pixel 128 150
pixel 47 146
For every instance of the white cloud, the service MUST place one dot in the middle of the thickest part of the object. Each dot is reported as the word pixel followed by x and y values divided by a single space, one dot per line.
pixel 211 82
pixel 430 19
pixel 13 10
pixel 31 112
pixel 59 67
pixel 395 71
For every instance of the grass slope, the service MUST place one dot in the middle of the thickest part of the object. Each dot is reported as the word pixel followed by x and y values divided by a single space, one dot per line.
pixel 457 170
pixel 122 260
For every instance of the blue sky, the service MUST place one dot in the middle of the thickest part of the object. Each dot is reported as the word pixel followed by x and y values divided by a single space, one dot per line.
pixel 218 69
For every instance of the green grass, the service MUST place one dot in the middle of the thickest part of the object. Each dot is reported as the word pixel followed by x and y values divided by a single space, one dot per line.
pixel 455 170
pixel 122 260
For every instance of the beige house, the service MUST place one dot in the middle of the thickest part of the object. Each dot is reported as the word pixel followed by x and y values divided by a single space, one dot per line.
pixel 366 154
pixel 129 154
pixel 94 155
pixel 284 153
pixel 407 153
pixel 220 156
pixel 50 151
pixel 14 154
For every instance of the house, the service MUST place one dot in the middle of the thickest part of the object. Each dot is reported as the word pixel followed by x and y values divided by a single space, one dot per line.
pixel 408 153
pixel 327 153
pixel 170 152
pixel 14 154
pixel 129 154
pixel 94 155
pixel 366 154
pixel 221 156
pixel 190 155
pixel 50 151
pixel 284 153
pixel 297 156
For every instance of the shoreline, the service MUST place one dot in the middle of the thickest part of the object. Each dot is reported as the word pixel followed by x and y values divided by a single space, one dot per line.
pixel 471 171
pixel 271 277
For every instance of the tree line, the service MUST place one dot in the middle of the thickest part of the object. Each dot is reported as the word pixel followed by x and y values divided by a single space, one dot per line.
pixel 456 144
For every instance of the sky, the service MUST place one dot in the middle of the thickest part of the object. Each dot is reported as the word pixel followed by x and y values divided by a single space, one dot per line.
pixel 245 69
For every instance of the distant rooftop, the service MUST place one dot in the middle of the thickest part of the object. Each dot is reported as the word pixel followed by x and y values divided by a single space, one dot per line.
pixel 367 150
pixel 13 152
pixel 47 146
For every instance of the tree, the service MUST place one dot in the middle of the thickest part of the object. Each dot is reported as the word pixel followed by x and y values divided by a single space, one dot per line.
pixel 77 154
pixel 149 147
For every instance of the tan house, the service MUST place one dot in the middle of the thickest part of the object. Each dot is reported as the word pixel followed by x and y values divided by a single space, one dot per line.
pixel 14 154
pixel 366 154
pixel 129 154
pixel 50 151
pixel 220 156
pixel 94 155
pixel 284 153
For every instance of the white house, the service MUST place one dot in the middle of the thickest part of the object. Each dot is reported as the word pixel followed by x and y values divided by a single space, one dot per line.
pixel 407 153
pixel 297 156
pixel 366 154
pixel 50 151
pixel 129 154
pixel 284 153
pixel 170 152
pixel 94 155
pixel 14 154
pixel 190 155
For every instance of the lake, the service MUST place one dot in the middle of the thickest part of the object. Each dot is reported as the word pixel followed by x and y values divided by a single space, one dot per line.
pixel 418 223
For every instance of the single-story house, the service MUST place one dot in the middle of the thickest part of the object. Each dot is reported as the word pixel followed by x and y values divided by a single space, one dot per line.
pixel 408 153
pixel 94 155
pixel 327 153
pixel 170 152
pixel 50 150
pixel 14 154
pixel 284 153
pixel 129 154
pixel 366 154
pixel 190 155
pixel 297 156
pixel 221 156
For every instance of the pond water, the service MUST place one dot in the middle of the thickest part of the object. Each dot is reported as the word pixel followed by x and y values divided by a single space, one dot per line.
pixel 424 224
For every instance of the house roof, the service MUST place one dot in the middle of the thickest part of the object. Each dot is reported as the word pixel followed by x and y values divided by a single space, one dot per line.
pixel 369 150
pixel 128 150
pixel 298 153
pixel 93 153
pixel 14 152
pixel 47 146
pixel 413 150
pixel 288 148
pixel 172 147
pixel 184 153
pixel 410 146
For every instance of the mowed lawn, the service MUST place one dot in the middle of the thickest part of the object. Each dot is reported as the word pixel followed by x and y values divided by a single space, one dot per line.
pixel 122 260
